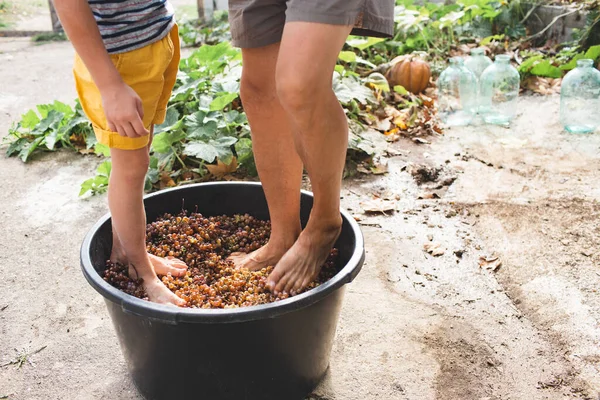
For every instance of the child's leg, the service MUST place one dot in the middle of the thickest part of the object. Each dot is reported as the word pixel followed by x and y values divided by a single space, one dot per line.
pixel 162 266
pixel 125 193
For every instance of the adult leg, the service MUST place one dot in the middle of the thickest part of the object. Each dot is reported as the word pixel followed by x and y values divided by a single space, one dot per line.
pixel 306 61
pixel 278 164
pixel 125 193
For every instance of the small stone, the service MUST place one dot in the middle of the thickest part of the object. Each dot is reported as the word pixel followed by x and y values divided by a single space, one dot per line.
pixel 430 237
pixel 451 213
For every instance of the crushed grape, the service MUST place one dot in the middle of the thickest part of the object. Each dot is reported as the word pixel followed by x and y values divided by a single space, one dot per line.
pixel 204 243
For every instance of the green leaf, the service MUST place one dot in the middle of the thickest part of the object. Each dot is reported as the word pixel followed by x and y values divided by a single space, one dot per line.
pixel 209 151
pixel 171 119
pixel 30 120
pixel 340 70
pixel 234 117
pixel 573 63
pixel 378 81
pixel 245 155
pixel 51 139
pixel 527 64
pixel 103 149
pixel 363 43
pixel 545 68
pixel 201 150
pixel 400 90
pixel 92 141
pixel 63 108
pixel 86 186
pixel 95 185
pixel 29 148
pixel 51 121
pixel 163 141
pixel 16 147
pixel 222 101
pixel 104 169
pixel 346 89
pixel 593 52
pixel 347 56
pixel 207 130
pixel 490 39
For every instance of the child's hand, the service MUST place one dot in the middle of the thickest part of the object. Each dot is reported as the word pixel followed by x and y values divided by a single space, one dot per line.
pixel 124 110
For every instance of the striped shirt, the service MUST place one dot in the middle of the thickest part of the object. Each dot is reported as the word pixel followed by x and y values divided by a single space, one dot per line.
pixel 127 25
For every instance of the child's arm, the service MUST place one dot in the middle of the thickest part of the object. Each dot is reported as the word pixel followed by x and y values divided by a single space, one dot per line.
pixel 122 105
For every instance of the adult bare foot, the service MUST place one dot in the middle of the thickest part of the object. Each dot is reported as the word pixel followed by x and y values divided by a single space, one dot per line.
pixel 162 266
pixel 158 293
pixel 169 265
pixel 303 261
pixel 266 256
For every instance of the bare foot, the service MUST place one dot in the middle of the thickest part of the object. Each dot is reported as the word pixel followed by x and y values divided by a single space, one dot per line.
pixel 302 263
pixel 168 265
pixel 266 256
pixel 158 293
pixel 162 266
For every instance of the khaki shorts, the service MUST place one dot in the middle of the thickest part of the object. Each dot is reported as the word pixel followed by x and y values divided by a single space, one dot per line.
pixel 257 23
pixel 151 71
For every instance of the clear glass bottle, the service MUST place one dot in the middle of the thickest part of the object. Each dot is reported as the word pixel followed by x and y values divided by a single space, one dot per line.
pixel 477 62
pixel 457 94
pixel 580 98
pixel 500 83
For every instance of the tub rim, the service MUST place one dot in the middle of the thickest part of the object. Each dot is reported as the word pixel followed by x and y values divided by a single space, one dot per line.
pixel 174 315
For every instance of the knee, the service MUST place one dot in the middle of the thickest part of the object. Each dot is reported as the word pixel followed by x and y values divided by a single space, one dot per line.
pixel 299 92
pixel 295 94
pixel 132 167
pixel 257 91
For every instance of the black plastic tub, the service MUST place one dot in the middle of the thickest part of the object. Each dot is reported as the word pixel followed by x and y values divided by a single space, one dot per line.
pixel 274 351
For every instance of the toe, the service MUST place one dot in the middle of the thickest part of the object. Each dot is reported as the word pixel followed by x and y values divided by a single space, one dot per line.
pixel 291 282
pixel 277 280
pixel 173 271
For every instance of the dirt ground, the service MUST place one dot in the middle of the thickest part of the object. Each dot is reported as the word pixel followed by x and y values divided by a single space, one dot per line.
pixel 413 327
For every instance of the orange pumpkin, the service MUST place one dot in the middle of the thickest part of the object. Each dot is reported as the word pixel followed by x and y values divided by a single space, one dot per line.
pixel 410 72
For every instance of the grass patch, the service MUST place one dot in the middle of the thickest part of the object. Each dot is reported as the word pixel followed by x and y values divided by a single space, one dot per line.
pixel 49 37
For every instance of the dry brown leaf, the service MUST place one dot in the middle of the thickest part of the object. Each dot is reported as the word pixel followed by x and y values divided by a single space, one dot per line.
pixel 166 181
pixel 378 206
pixel 491 262
pixel 222 169
pixel 435 249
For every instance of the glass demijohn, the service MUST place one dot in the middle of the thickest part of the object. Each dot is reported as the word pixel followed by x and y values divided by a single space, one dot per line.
pixel 500 83
pixel 580 98
pixel 457 94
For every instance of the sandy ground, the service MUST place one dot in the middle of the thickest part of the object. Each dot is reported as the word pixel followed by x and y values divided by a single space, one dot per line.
pixel 413 326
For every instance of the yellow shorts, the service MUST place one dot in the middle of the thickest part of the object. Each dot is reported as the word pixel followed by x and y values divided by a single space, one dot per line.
pixel 151 71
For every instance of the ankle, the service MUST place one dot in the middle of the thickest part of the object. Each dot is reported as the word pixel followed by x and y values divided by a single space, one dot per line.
pixel 325 224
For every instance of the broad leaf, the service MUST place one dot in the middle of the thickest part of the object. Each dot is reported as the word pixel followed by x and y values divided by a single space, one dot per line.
pixel 163 141
pixel 30 120
pixel 222 101
pixel 171 119
pixel 544 68
pixel 104 150
pixel 363 43
pixel 347 56
pixel 104 169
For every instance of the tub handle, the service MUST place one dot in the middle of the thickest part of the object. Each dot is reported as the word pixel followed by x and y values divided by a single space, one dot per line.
pixel 354 273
